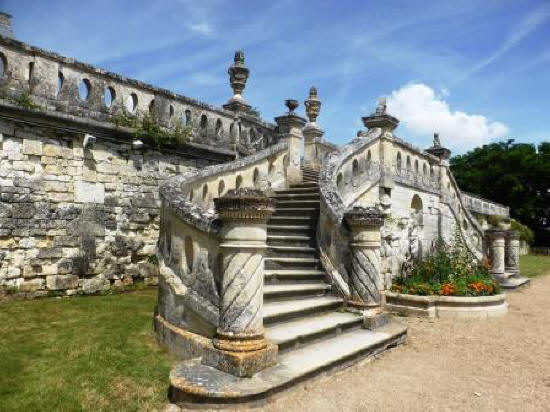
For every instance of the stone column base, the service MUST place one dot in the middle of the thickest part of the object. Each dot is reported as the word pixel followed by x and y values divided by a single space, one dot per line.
pixel 241 364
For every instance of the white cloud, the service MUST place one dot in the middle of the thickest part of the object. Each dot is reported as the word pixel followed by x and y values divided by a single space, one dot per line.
pixel 203 28
pixel 423 111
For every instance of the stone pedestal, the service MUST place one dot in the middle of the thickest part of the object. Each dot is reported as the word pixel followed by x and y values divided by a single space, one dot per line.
pixel 366 280
pixel 512 252
pixel 291 125
pixel 240 347
pixel 496 244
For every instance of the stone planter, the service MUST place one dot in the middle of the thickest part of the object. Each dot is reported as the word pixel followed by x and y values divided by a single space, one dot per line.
pixel 446 306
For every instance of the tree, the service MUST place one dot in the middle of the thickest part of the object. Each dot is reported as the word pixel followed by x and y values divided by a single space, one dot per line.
pixel 514 174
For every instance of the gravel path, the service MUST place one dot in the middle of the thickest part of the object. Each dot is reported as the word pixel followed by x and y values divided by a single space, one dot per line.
pixel 490 365
pixel 500 364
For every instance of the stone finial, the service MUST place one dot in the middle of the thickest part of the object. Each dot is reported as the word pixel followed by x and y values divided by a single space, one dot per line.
pixel 380 118
pixel 313 105
pixel 6 29
pixel 238 74
pixel 437 148
pixel 291 104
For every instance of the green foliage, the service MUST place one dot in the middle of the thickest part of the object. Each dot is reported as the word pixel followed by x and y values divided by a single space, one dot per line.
pixel 447 271
pixel 494 220
pixel 516 175
pixel 153 259
pixel 525 233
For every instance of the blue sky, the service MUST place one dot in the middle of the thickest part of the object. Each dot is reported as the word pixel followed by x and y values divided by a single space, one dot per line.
pixel 476 71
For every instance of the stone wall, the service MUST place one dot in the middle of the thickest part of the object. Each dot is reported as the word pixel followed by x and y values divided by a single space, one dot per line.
pixel 75 219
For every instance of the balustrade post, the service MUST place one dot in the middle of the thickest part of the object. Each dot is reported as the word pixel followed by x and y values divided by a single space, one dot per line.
pixel 496 243
pixel 366 279
pixel 312 132
pixel 240 347
pixel 291 125
pixel 512 252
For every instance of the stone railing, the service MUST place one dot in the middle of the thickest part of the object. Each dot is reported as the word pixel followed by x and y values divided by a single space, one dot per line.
pixel 483 206
pixel 189 239
pixel 429 183
pixel 345 176
pixel 38 80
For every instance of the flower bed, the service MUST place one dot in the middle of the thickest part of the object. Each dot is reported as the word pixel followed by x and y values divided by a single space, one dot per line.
pixel 446 272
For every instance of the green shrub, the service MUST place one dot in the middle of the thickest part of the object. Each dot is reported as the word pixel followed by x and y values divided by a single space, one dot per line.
pixel 525 233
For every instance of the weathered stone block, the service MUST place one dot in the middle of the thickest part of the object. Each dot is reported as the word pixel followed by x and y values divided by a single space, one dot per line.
pixel 60 282
pixel 85 192
pixel 32 147
pixel 52 150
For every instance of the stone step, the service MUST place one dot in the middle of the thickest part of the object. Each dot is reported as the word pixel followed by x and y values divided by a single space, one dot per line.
pixel 289 335
pixel 192 381
pixel 295 203
pixel 305 185
pixel 279 311
pixel 294 290
pixel 272 262
pixel 289 230
pixel 292 275
pixel 514 283
pixel 291 251
pixel 297 211
pixel 290 240
pixel 297 196
pixel 302 190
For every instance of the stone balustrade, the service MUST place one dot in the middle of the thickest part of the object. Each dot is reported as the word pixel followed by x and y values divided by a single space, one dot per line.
pixel 483 206
pixel 36 79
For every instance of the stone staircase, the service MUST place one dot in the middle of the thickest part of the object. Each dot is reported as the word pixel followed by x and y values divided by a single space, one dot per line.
pixel 310 326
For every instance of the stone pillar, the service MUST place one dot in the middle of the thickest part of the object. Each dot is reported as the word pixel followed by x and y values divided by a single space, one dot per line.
pixel 290 125
pixel 240 347
pixel 512 252
pixel 496 244
pixel 312 132
pixel 366 280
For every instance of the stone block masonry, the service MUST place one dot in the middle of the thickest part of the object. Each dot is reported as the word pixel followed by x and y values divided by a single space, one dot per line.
pixel 74 219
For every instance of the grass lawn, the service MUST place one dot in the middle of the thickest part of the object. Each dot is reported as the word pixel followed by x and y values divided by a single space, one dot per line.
pixel 84 353
pixel 534 265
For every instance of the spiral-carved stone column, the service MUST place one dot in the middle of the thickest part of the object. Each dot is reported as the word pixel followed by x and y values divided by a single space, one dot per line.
pixel 512 252
pixel 496 244
pixel 240 347
pixel 366 280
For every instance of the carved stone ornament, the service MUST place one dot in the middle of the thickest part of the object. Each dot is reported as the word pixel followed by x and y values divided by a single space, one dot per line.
pixel 244 203
pixel 313 105
pixel 238 74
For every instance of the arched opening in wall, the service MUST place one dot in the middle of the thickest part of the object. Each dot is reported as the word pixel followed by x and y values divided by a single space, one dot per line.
pixel 355 171
pixel 408 163
pixel 218 128
pixel 108 96
pixel 271 167
pixel 449 186
pixel 232 132
pixel 84 88
pixel 131 103
pixel 238 182
pixel 252 136
pixel 172 111
pixel 60 80
pixel 369 157
pixel 431 171
pixel 31 73
pixel 464 224
pixel 256 177
pixel 285 161
pixel 204 121
pixel 425 169
pixel 398 161
pixel 416 166
pixel 152 106
pixel 189 253
pixel 204 191
pixel 221 188
pixel 3 65
pixel 191 195
pixel 340 182
pixel 188 118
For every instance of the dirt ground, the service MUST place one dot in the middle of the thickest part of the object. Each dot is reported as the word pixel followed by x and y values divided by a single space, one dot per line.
pixel 500 364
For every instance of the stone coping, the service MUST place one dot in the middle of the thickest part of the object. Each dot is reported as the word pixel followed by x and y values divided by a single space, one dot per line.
pixel 446 306
pixel 172 191
pixel 329 171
